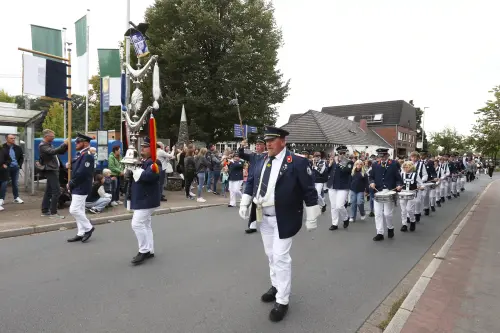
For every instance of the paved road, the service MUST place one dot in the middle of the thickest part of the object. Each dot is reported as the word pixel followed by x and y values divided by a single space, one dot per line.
pixel 207 277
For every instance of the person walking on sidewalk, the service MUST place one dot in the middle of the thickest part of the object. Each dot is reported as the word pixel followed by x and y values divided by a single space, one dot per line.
pixel 16 158
pixel 51 164
pixel 4 176
pixel 80 186
pixel 145 199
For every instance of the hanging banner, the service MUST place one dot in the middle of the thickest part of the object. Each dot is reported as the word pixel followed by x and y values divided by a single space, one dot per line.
pixel 140 46
pixel 105 94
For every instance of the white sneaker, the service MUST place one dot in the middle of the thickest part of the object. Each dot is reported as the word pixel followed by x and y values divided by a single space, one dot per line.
pixel 351 220
pixel 1 202
pixel 1 208
pixel 201 200
pixel 192 194
pixel 119 202
pixel 114 203
pixel 363 217
pixel 18 200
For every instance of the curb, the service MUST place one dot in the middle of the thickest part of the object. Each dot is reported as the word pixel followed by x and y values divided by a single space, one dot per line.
pixel 401 317
pixel 35 229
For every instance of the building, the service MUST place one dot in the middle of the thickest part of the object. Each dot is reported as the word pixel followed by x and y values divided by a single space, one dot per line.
pixel 320 131
pixel 395 121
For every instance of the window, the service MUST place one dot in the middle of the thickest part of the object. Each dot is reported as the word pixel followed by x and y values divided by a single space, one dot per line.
pixel 351 118
pixel 378 117
pixel 400 136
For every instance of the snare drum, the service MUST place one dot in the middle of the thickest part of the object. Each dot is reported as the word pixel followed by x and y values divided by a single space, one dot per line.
pixel 454 178
pixel 407 195
pixel 385 196
pixel 429 185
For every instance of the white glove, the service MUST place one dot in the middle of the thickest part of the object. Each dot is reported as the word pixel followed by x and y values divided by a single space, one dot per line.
pixel 246 200
pixel 137 174
pixel 312 214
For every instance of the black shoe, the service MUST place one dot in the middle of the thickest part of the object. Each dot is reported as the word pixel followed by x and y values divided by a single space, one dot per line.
pixel 151 255
pixel 230 205
pixel 372 214
pixel 278 312
pixel 163 199
pixel 449 197
pixel 140 257
pixel 390 233
pixel 462 189
pixel 438 203
pixel 454 195
pixel 346 224
pixel 458 194
pixel 215 193
pixel 269 296
pixel 404 228
pixel 323 209
pixel 427 212
pixel 87 235
pixel 345 205
pixel 250 231
pixel 417 217
pixel 333 227
pixel 75 239
pixel 433 208
pixel 442 200
pixel 412 226
pixel 407 220
pixel 378 238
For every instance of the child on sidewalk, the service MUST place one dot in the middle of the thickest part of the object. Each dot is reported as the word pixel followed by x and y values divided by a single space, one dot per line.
pixel 98 199
pixel 225 180
pixel 109 184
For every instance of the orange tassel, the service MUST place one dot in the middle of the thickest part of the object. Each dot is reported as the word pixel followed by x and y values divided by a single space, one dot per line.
pixel 152 141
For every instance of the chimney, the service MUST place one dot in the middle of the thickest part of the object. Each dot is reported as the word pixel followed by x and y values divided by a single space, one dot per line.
pixel 363 125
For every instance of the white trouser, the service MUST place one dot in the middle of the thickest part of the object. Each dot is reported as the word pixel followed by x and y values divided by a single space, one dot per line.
pixel 319 189
pixel 337 201
pixel 141 224
pixel 407 210
pixel 278 253
pixel 418 202
pixel 432 196
pixel 426 194
pixel 443 188
pixel 383 209
pixel 454 187
pixel 461 182
pixel 77 210
pixel 448 189
pixel 234 190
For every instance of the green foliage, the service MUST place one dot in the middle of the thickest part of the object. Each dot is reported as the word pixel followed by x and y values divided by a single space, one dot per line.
pixel 420 131
pixel 6 98
pixel 446 141
pixel 55 119
pixel 207 50
pixel 486 131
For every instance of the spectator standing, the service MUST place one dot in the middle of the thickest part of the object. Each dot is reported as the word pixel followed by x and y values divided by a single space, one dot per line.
pixel 4 176
pixel 217 168
pixel 116 169
pixel 202 166
pixel 15 159
pixel 163 157
pixel 189 172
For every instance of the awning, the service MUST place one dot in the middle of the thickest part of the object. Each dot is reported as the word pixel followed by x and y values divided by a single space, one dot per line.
pixel 18 117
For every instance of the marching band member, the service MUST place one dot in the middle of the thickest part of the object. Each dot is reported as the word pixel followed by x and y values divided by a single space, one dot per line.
pixel 320 173
pixel 462 170
pixel 422 173
pixel 437 190
pixel 444 176
pixel 252 158
pixel 431 177
pixel 454 175
pixel 145 198
pixel 80 186
pixel 235 179
pixel 384 176
pixel 280 185
pixel 411 182
pixel 339 176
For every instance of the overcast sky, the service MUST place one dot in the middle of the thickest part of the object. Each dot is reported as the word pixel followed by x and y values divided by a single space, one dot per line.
pixel 442 54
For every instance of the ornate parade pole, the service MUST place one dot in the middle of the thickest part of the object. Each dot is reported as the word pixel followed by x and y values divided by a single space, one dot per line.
pixel 134 123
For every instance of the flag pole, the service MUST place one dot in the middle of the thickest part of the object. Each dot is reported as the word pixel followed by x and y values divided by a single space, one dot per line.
pixel 65 103
pixel 87 76
pixel 70 113
pixel 244 134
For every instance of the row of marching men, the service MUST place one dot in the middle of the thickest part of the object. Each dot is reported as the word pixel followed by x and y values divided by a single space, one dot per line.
pixel 418 184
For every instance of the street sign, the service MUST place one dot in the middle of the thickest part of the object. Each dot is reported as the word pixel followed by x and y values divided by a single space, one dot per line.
pixel 242 132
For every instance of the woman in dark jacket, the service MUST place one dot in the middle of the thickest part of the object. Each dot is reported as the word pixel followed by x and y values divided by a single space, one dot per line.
pixel 189 172
pixel 359 185
pixel 202 166
pixel 4 175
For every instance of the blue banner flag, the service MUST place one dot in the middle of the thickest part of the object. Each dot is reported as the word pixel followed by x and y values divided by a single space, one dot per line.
pixel 140 46
pixel 242 132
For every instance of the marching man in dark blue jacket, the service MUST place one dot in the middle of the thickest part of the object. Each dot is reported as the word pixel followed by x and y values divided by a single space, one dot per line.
pixel 320 173
pixel 279 185
pixel 146 196
pixel 80 185
pixel 385 176
pixel 339 177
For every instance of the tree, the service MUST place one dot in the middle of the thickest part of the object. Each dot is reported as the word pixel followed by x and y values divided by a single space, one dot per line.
pixel 55 119
pixel 207 50
pixel 6 98
pixel 111 118
pixel 446 141
pixel 420 130
pixel 486 131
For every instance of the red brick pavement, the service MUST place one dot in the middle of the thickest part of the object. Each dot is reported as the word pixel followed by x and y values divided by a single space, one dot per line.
pixel 454 299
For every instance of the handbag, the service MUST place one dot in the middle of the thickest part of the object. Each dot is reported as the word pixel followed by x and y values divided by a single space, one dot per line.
pixel 169 168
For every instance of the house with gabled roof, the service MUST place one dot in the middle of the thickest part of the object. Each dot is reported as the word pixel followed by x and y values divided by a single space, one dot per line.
pixel 319 131
pixel 395 121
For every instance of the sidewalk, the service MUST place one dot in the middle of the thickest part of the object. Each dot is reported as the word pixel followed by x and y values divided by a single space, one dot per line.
pixel 26 218
pixel 463 294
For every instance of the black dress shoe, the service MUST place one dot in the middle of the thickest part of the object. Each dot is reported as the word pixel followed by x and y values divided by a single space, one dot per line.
pixel 371 214
pixel 462 189
pixel 390 233
pixel 458 194
pixel 87 235
pixel 333 227
pixel 346 224
pixel 417 217
pixel 323 209
pixel 404 228
pixel 269 296
pixel 454 195
pixel 442 200
pixel 378 238
pixel 140 258
pixel 151 255
pixel 75 239
pixel 433 208
pixel 412 226
pixel 426 212
pixel 449 197
pixel 438 203
pixel 278 312
pixel 250 231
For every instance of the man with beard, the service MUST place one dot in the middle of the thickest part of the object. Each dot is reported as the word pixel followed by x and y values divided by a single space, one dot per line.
pixel 145 199
pixel 252 159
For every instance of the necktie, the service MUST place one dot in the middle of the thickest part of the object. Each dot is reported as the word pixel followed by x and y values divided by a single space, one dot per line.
pixel 383 164
pixel 265 177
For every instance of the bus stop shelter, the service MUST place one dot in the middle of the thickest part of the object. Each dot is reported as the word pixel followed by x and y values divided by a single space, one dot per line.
pixel 10 115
